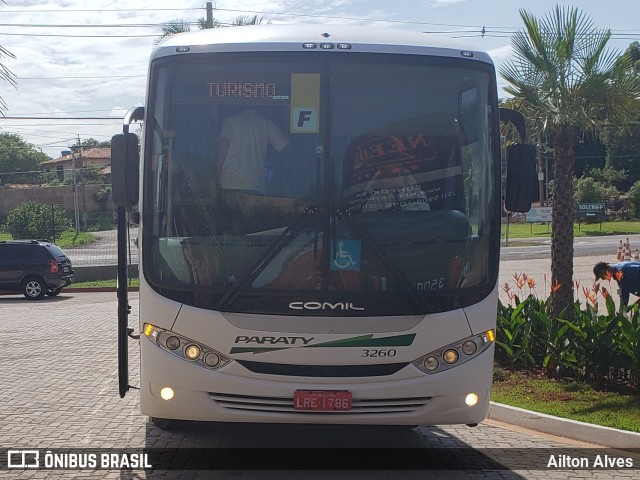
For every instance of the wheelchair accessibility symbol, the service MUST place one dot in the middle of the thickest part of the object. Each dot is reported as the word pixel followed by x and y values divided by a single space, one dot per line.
pixel 345 255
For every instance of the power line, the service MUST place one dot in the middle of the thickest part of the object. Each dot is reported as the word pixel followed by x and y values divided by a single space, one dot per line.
pixel 77 36
pixel 141 9
pixel 80 77
pixel 483 30
pixel 93 25
pixel 58 118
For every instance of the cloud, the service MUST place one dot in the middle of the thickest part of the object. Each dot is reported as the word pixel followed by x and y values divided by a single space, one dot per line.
pixel 500 54
pixel 446 3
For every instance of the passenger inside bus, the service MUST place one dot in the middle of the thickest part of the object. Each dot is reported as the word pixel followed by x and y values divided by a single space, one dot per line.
pixel 242 150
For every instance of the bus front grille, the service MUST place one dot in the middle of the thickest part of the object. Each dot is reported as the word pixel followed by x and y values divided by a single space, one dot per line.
pixel 285 404
pixel 323 370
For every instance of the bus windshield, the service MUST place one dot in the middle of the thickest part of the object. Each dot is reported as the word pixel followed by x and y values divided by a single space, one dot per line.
pixel 283 185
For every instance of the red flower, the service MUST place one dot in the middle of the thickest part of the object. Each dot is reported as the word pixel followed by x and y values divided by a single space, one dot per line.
pixel 556 286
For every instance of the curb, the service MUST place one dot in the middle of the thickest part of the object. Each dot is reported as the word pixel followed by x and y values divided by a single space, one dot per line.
pixel 562 427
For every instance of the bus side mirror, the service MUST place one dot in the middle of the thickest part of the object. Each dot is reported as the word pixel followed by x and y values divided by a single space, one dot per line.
pixel 521 188
pixel 125 169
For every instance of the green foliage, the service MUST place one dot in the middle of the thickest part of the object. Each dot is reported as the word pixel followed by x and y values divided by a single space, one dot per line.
pixel 622 139
pixel 634 198
pixel 6 75
pixel 609 177
pixel 19 160
pixel 93 143
pixel 36 220
pixel 71 239
pixel 102 196
pixel 587 189
pixel 602 349
pixel 564 78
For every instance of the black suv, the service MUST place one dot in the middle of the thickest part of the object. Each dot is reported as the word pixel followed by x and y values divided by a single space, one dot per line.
pixel 34 267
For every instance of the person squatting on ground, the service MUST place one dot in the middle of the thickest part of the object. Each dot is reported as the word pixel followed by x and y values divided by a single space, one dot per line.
pixel 627 274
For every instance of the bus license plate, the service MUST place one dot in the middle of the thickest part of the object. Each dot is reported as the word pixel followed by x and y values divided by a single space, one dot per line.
pixel 322 400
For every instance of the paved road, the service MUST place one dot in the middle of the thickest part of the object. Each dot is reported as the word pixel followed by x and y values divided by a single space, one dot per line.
pixel 58 389
pixel 103 251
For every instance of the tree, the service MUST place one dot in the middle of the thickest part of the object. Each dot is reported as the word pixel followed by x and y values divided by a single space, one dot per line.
pixel 622 140
pixel 181 26
pixel 19 160
pixel 93 143
pixel 6 74
pixel 36 220
pixel 589 190
pixel 566 78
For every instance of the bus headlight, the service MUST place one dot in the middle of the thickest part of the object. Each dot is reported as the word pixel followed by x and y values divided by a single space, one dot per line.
pixel 455 354
pixel 195 353
pixel 212 359
pixel 450 356
pixel 469 347
pixel 431 363
pixel 192 352
pixel 173 342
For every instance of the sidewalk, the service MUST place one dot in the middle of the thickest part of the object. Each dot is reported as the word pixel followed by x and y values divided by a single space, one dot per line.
pixel 562 427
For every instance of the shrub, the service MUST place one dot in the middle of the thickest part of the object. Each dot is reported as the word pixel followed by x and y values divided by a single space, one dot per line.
pixel 602 349
pixel 634 198
pixel 36 220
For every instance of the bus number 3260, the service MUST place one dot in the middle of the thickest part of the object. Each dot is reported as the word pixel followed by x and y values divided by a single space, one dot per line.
pixel 375 352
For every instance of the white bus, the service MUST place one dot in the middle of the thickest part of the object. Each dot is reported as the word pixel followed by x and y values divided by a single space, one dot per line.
pixel 319 215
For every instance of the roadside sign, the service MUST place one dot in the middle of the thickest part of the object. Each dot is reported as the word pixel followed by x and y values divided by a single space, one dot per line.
pixel 539 215
pixel 592 212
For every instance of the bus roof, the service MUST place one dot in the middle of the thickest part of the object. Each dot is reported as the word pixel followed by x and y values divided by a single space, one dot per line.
pixel 293 37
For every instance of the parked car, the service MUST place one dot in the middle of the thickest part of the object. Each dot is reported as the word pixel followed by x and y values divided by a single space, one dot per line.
pixel 34 267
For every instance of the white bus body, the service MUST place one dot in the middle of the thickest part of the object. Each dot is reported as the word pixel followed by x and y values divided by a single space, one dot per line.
pixel 346 272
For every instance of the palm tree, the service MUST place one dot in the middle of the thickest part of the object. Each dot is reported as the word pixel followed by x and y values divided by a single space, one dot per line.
pixel 180 26
pixel 566 79
pixel 6 74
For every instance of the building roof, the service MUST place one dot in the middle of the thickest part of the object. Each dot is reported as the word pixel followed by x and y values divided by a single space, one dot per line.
pixel 87 155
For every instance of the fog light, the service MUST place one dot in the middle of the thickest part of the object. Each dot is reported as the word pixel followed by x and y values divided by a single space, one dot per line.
pixel 450 356
pixel 173 342
pixel 192 352
pixel 431 363
pixel 166 393
pixel 471 399
pixel 469 347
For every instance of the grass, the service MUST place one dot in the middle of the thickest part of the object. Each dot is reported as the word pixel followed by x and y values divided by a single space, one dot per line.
pixel 66 239
pixel 133 282
pixel 577 401
pixel 538 230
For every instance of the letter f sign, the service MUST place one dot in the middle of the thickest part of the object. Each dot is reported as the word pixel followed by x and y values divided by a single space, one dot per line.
pixel 305 120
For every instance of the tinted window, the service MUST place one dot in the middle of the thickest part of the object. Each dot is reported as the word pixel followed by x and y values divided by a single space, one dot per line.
pixel 272 178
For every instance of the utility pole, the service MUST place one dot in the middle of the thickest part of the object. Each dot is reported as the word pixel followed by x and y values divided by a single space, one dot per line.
pixel 209 21
pixel 75 187
pixel 540 173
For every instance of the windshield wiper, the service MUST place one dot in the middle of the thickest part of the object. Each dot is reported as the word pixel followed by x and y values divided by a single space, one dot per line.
pixel 384 259
pixel 285 238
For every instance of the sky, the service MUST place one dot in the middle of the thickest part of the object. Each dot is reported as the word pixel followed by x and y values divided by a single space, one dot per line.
pixel 89 59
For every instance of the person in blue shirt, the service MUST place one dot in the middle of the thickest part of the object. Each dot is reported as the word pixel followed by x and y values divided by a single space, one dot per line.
pixel 627 274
